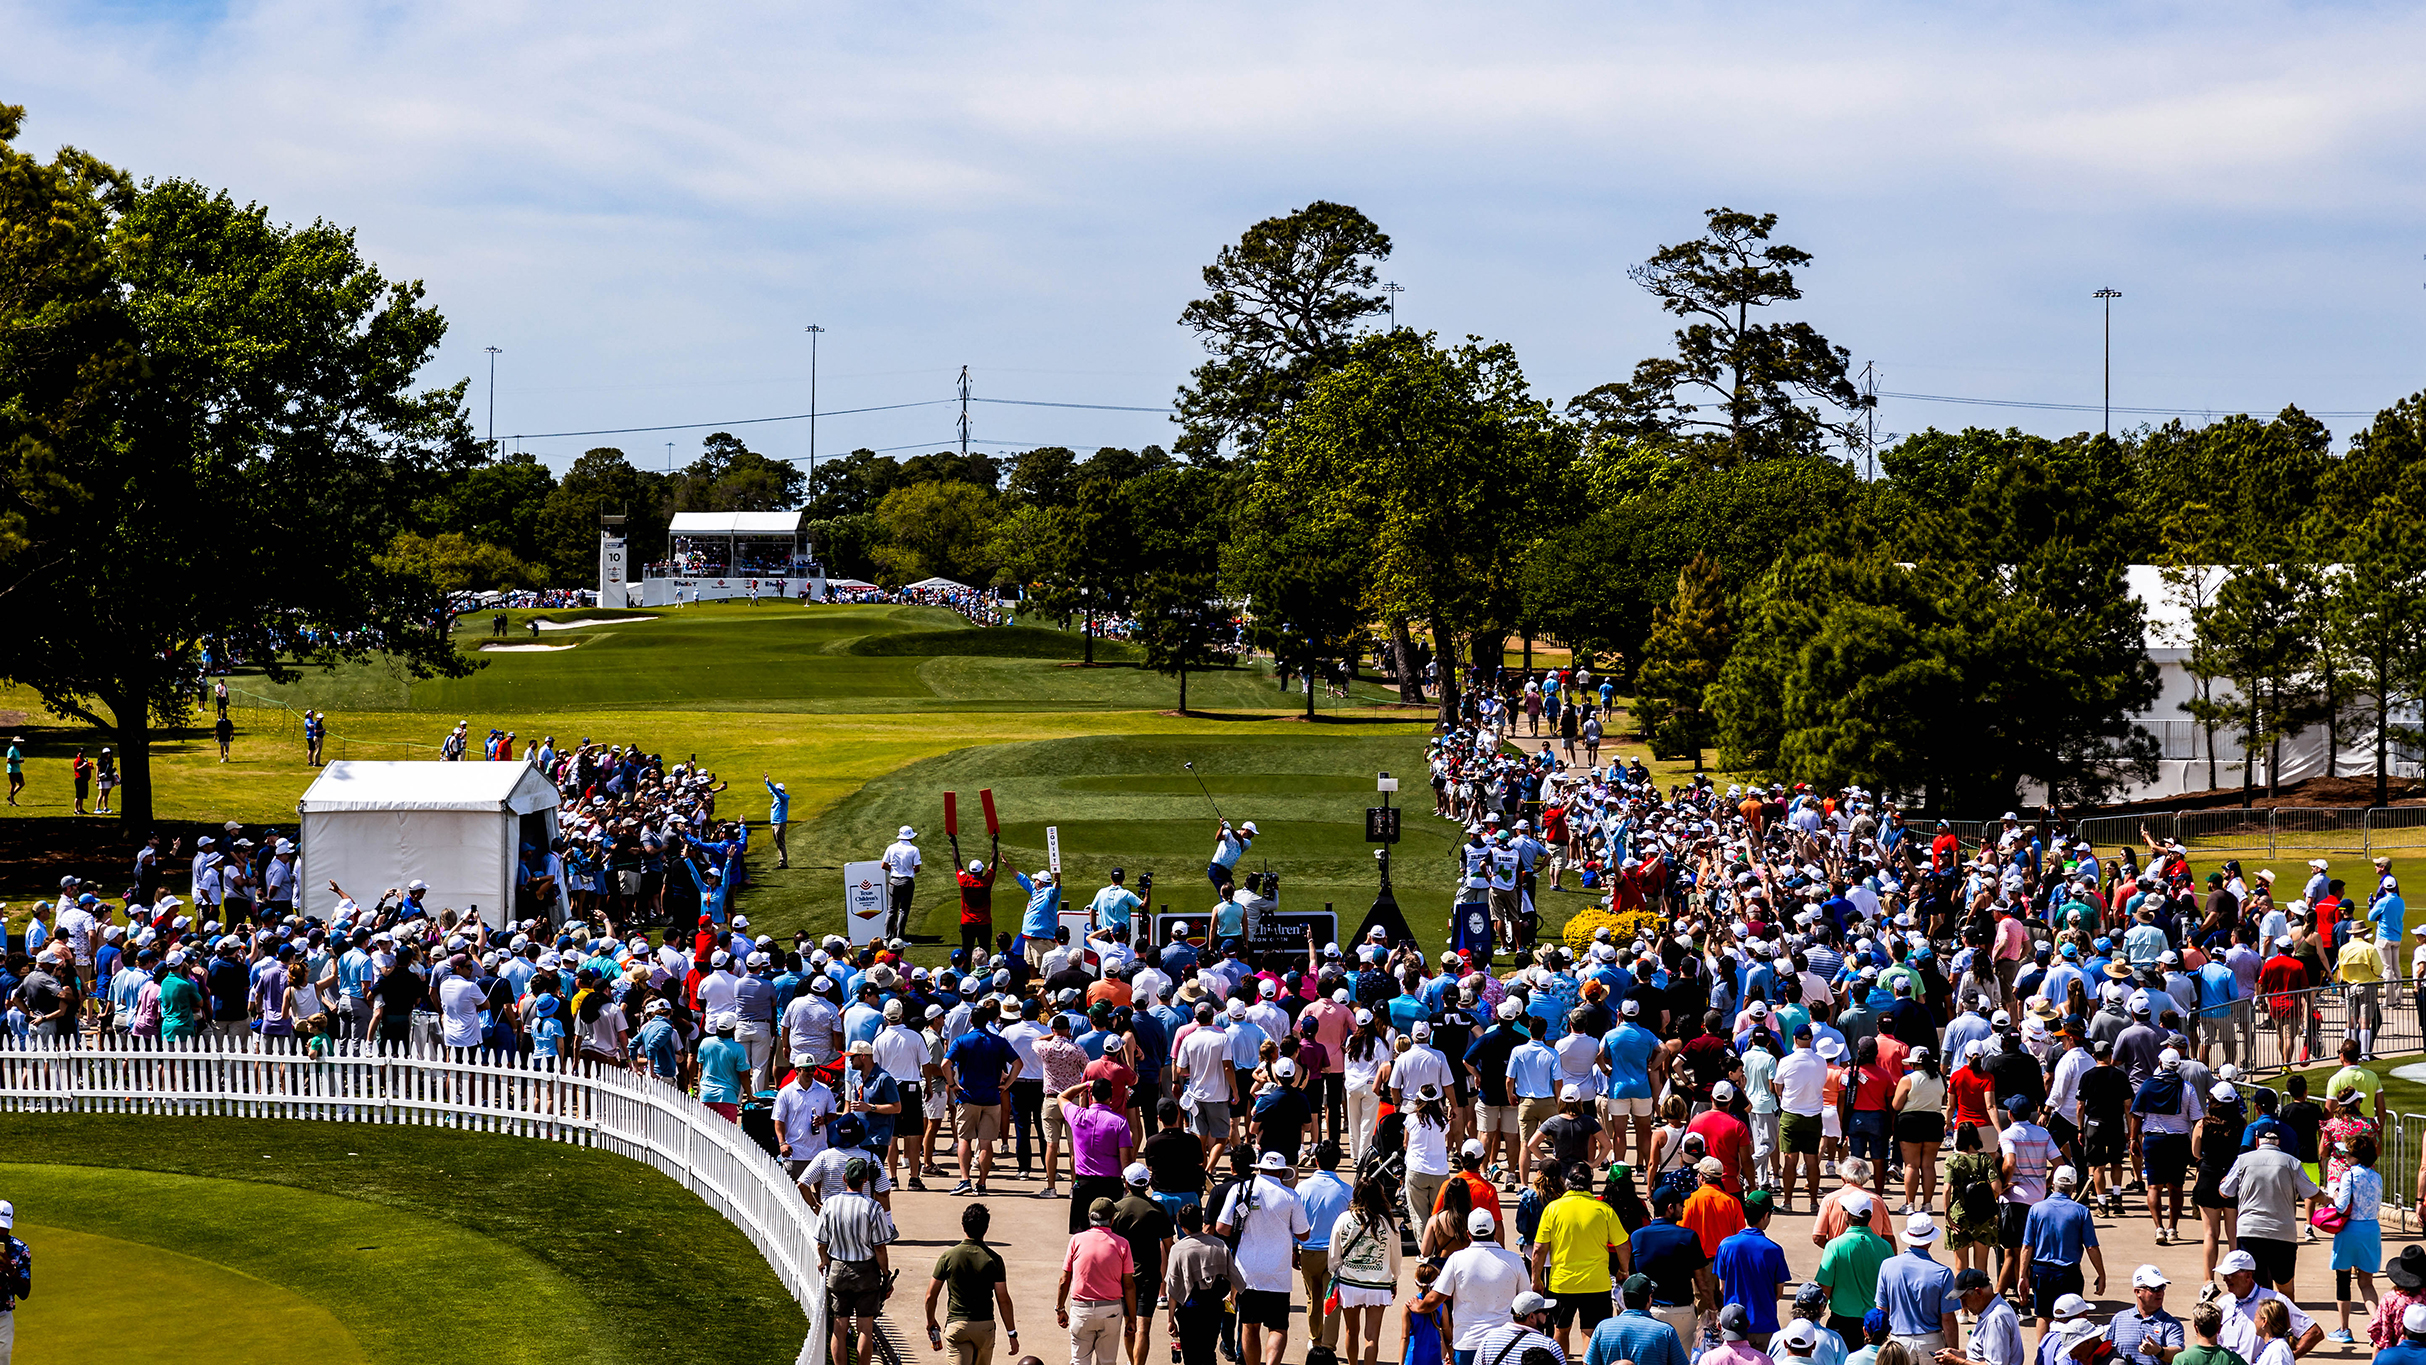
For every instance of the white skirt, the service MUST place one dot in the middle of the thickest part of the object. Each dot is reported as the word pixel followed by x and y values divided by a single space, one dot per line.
pixel 1352 1297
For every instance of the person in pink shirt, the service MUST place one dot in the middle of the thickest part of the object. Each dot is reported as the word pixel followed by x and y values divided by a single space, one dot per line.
pixel 2012 946
pixel 1098 1293
pixel 1734 1326
pixel 1333 1021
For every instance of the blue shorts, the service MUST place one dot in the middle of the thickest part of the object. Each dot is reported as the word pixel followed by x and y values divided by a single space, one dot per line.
pixel 1173 1203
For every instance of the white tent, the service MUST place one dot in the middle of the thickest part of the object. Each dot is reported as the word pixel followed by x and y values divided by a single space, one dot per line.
pixel 939 583
pixel 458 826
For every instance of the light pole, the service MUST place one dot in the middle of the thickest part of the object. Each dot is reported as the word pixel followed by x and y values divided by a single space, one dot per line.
pixel 2108 296
pixel 814 332
pixel 494 352
pixel 1393 289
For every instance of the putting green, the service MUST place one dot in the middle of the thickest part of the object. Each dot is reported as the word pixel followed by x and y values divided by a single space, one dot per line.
pixel 249 1263
pixel 422 1246
pixel 102 1299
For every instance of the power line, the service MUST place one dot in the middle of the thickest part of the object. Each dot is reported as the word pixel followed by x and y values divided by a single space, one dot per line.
pixel 1091 407
pixel 2084 407
pixel 731 422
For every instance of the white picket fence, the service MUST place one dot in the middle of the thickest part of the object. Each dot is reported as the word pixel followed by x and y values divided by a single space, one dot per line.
pixel 426 1085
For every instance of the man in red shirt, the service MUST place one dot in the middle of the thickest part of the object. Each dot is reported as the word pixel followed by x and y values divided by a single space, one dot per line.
pixel 2280 978
pixel 1944 850
pixel 1727 1136
pixel 977 898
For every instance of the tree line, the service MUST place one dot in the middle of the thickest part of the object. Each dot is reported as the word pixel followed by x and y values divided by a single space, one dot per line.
pixel 210 439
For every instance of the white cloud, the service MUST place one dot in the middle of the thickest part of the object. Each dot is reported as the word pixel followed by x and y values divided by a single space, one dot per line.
pixel 641 203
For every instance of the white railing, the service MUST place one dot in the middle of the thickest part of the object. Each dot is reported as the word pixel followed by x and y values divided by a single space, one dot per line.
pixel 422 1084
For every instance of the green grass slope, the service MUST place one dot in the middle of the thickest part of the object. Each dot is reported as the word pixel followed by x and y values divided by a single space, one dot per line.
pixel 418 1245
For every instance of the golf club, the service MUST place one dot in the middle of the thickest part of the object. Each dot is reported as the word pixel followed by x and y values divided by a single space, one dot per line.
pixel 1208 791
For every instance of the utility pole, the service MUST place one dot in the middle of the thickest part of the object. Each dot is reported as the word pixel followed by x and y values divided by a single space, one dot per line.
pixel 1393 289
pixel 669 457
pixel 494 352
pixel 814 332
pixel 2109 296
pixel 964 412
pixel 1870 420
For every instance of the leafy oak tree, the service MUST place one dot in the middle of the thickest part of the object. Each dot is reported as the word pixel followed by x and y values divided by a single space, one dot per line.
pixel 211 432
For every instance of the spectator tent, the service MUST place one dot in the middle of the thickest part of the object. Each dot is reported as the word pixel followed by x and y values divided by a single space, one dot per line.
pixel 457 826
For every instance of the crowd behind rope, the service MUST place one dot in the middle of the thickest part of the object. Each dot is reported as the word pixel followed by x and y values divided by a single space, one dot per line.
pixel 1499 1146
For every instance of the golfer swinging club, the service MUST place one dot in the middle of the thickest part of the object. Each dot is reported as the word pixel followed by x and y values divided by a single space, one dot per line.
pixel 1229 845
pixel 901 881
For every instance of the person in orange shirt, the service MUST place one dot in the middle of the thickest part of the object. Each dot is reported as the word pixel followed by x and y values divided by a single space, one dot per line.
pixel 1712 1213
pixel 1480 1192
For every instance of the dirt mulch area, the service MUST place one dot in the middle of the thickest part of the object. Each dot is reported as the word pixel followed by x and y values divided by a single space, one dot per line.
pixel 2353 792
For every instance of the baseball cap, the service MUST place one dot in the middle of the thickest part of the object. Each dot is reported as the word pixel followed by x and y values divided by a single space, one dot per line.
pixel 1723 1092
pixel 1801 1335
pixel 1527 1304
pixel 1972 1277
pixel 2236 1261
pixel 2149 1277
pixel 2070 1306
pixel 1137 1173
pixel 1479 1222
pixel 1472 1147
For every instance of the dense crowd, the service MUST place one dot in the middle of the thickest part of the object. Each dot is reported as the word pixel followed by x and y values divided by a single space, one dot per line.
pixel 1489 1148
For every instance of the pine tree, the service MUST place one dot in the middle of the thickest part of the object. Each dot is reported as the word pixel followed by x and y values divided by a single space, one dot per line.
pixel 1689 643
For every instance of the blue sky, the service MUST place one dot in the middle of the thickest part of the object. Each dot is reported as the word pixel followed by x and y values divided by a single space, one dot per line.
pixel 644 204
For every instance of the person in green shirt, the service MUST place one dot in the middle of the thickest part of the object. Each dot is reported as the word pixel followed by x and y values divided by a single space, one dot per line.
pixel 2206 1321
pixel 2353 1076
pixel 979 1288
pixel 1848 1267
pixel 183 1013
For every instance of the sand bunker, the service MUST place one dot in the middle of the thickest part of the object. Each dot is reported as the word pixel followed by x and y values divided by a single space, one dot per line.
pixel 523 649
pixel 592 622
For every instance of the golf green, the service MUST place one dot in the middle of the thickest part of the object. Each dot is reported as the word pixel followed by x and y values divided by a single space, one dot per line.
pixel 280 1241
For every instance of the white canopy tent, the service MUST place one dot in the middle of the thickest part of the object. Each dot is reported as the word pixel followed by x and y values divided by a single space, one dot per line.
pixel 458 826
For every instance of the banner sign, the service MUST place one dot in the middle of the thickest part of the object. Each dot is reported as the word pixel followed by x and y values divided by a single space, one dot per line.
pixel 863 901
pixel 1275 938
pixel 1053 848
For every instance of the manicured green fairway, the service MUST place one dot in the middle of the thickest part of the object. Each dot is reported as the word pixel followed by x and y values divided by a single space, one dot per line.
pixel 322 1244
pixel 1127 801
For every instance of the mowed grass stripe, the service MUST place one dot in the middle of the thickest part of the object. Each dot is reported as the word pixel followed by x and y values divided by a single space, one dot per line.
pixel 428 1245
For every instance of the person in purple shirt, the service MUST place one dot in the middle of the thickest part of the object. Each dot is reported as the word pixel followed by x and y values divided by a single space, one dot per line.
pixel 1751 1268
pixel 1100 1145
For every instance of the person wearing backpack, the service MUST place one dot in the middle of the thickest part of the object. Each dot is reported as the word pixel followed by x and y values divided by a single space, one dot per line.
pixel 1972 1177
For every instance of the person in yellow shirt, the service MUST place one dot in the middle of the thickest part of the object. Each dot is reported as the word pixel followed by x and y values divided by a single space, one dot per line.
pixel 1573 1249
pixel 2353 1076
pixel 2360 967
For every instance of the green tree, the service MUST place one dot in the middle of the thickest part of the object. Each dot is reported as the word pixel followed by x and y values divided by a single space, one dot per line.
pixel 1043 477
pixel 1689 644
pixel 1283 309
pixel 1736 389
pixel 728 476
pixel 936 530
pixel 2252 629
pixel 2379 607
pixel 845 546
pixel 498 501
pixel 1448 462
pixel 1184 623
pixel 452 562
pixel 848 485
pixel 601 483
pixel 1304 584
pixel 211 433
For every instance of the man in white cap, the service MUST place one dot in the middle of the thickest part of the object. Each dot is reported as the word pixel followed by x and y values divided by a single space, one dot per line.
pixel 2166 1108
pixel 2056 1234
pixel 1522 1334
pixel 1229 845
pixel 2240 1273
pixel 901 862
pixel 2145 1334
pixel 1917 1290
pixel 1480 1284
pixel 1269 1220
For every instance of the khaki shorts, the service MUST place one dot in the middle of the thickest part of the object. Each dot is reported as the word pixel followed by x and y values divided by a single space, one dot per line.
pixel 1612 1107
pixel 1495 1118
pixel 1529 1116
pixel 1056 1127
pixel 979 1122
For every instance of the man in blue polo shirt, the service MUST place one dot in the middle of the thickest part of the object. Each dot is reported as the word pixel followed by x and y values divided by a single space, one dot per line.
pixel 2057 1233
pixel 1635 1335
pixel 1671 1255
pixel 1750 1268
pixel 1918 1291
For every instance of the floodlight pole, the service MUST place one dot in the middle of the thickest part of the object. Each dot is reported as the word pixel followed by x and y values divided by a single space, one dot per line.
pixel 2108 296
pixel 1393 289
pixel 494 352
pixel 814 332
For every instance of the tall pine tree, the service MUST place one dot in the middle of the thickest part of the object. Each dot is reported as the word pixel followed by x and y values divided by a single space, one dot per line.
pixel 1689 642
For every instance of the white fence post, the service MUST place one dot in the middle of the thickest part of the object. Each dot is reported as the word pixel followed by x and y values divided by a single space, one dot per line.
pixel 424 1083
